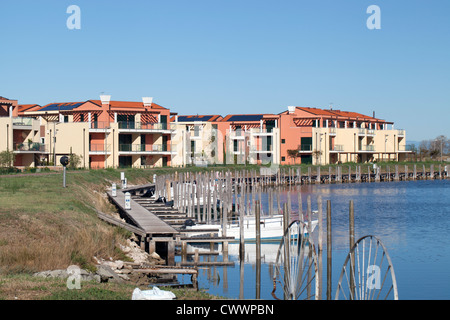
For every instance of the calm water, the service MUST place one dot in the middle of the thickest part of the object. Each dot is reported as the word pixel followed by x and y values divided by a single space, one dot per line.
pixel 412 219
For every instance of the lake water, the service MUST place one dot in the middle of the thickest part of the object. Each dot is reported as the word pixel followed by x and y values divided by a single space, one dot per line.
pixel 411 218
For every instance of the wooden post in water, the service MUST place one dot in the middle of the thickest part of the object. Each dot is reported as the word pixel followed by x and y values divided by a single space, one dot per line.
pixel 286 217
pixel 318 175
pixel 289 206
pixel 241 228
pixel 352 243
pixel 300 207
pixel 309 213
pixel 320 244
pixel 329 250
pixel 258 249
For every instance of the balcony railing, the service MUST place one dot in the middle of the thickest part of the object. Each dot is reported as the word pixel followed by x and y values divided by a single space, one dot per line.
pixel 407 148
pixel 30 147
pixel 259 131
pixel 22 121
pixel 367 148
pixel 305 148
pixel 332 131
pixel 146 148
pixel 337 147
pixel 124 125
pixel 261 149
pixel 100 125
pixel 401 133
pixel 237 134
pixel 99 148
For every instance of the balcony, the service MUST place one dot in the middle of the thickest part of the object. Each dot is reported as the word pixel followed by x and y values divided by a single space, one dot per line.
pixel 163 128
pixel 337 148
pixel 99 126
pixel 261 132
pixel 34 147
pixel 406 148
pixel 146 149
pixel 261 149
pixel 401 133
pixel 361 132
pixel 99 149
pixel 22 123
pixel 237 135
pixel 367 148
pixel 333 131
pixel 305 148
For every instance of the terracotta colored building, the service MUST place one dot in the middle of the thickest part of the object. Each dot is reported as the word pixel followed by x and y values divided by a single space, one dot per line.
pixel 19 134
pixel 326 136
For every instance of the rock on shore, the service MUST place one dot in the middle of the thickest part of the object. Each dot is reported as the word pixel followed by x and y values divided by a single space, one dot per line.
pixel 109 270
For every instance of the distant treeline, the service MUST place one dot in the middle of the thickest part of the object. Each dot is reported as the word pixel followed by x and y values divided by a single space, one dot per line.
pixel 433 148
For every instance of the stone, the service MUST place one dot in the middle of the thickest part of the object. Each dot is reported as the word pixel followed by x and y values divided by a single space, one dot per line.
pixel 107 274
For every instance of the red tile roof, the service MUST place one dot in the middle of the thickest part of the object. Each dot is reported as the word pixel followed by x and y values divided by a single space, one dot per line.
pixel 128 104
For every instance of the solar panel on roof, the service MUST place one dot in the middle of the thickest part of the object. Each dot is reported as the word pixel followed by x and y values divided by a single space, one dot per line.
pixel 61 106
pixel 246 117
pixel 193 118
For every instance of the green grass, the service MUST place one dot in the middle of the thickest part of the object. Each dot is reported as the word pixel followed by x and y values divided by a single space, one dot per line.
pixel 27 287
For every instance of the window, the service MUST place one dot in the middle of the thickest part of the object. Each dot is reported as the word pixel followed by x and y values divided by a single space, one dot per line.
pixel 66 119
pixel 283 141
pixel 283 158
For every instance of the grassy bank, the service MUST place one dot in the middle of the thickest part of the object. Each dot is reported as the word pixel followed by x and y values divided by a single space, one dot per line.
pixel 45 227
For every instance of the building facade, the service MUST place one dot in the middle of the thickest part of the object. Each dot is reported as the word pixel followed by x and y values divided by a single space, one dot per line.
pixel 320 136
pixel 20 135
pixel 106 133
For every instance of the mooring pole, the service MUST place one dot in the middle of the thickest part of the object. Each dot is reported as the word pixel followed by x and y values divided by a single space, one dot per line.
pixel 329 247
pixel 241 226
pixel 258 249
pixel 320 244
pixel 352 243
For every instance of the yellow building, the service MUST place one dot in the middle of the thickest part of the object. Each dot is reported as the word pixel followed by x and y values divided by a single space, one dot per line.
pixel 105 133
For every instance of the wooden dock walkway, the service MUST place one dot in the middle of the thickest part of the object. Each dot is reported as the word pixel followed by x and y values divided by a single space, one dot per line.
pixel 142 218
pixel 157 223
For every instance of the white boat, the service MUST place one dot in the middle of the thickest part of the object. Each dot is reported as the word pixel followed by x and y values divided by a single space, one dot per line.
pixel 271 228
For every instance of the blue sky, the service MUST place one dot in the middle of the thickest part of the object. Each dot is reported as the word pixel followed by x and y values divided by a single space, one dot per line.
pixel 222 57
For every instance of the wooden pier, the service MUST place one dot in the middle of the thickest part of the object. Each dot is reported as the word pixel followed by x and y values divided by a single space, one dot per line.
pixel 158 225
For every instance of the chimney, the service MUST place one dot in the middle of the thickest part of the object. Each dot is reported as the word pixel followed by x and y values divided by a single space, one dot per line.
pixel 373 114
pixel 147 101
pixel 291 109
pixel 105 99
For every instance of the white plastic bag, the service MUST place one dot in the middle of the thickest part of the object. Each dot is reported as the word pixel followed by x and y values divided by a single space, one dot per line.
pixel 154 294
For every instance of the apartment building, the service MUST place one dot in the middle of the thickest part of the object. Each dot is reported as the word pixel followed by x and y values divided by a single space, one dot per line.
pixel 106 133
pixel 20 135
pixel 251 138
pixel 199 140
pixel 327 136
